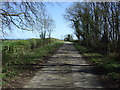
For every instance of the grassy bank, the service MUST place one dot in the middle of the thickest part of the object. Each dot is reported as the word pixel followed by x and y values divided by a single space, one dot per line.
pixel 107 66
pixel 20 55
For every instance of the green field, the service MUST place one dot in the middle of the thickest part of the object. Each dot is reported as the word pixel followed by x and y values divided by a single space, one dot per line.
pixel 19 54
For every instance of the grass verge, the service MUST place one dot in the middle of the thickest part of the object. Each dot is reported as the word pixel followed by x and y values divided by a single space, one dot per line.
pixel 106 66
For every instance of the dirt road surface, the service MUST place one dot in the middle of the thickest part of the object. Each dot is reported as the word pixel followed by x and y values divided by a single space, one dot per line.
pixel 65 69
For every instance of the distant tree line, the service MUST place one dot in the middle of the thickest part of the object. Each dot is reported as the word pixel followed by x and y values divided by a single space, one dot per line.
pixel 30 16
pixel 97 24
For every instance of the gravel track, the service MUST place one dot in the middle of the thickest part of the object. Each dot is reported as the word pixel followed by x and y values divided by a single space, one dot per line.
pixel 65 69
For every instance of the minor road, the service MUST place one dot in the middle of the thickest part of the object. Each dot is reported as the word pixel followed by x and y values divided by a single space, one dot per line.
pixel 65 69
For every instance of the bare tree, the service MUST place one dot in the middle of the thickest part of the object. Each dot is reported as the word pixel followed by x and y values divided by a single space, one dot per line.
pixel 51 26
pixel 22 15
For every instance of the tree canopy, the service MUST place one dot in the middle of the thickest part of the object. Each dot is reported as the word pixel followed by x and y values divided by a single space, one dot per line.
pixel 96 23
